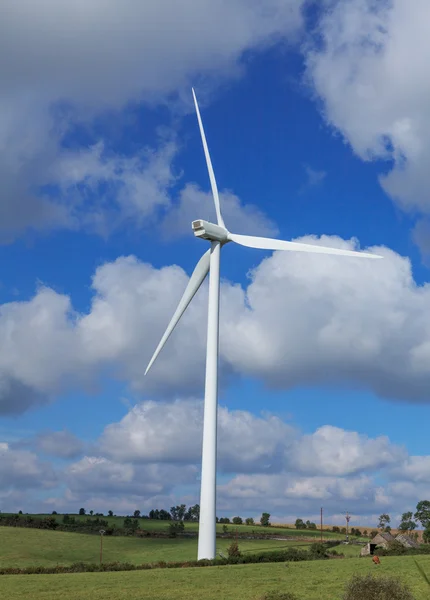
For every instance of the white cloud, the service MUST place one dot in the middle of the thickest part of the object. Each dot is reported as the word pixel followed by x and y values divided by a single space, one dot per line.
pixel 128 47
pixel 336 452
pixel 99 475
pixel 61 444
pixel 302 318
pixel 151 458
pixel 369 67
pixel 23 470
pixel 153 432
pixel 415 469
pixel 299 495
pixel 195 204
pixel 62 62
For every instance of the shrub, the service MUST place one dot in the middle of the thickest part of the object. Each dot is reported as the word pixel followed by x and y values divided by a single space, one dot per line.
pixel 176 527
pixel 376 588
pixel 278 595
pixel 233 550
pixel 318 550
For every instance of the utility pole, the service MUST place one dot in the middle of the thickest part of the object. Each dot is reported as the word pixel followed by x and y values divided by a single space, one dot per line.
pixel 102 531
pixel 348 518
pixel 321 525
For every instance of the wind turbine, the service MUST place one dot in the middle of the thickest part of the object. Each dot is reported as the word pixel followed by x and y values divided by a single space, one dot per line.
pixel 218 235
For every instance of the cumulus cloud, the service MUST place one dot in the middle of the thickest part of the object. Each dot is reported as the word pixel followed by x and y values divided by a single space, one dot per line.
pixel 23 470
pixel 287 493
pixel 173 433
pixel 195 204
pixel 334 451
pixel 70 61
pixel 151 458
pixel 99 475
pixel 61 444
pixel 372 81
pixel 302 319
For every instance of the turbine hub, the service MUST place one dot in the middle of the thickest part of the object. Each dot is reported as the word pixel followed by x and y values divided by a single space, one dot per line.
pixel 210 231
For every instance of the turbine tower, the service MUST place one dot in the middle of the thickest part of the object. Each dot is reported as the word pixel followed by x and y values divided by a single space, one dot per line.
pixel 218 235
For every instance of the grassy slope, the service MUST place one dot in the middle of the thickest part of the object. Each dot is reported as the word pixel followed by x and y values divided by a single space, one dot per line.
pixel 318 580
pixel 20 547
pixel 153 525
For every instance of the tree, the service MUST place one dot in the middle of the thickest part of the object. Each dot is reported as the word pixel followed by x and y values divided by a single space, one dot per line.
pixel 82 511
pixel 178 512
pixel 136 514
pixel 110 513
pixel 426 535
pixel 407 524
pixel 237 520
pixel 164 515
pixel 384 520
pixel 54 512
pixel 193 513
pixel 91 512
pixel 300 524
pixel 224 520
pixel 265 520
pixel 311 525
pixel 249 521
pixel 335 529
pixel 423 513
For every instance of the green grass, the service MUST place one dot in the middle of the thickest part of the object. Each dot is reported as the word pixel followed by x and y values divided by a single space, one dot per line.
pixel 348 550
pixel 317 580
pixel 22 547
pixel 156 525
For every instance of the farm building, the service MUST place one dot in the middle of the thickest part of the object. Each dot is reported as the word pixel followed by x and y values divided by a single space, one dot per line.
pixel 383 540
pixel 406 541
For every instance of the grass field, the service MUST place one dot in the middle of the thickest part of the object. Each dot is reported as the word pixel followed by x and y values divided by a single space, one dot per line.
pixel 316 580
pixel 156 525
pixel 22 547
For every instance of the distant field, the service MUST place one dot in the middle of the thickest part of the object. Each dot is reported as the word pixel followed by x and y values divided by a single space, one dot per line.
pixel 156 525
pixel 21 547
pixel 316 580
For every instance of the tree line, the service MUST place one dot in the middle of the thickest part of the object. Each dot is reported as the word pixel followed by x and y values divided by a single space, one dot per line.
pixel 409 520
pixel 181 513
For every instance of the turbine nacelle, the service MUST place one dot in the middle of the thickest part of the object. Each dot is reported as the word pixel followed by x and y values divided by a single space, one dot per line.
pixel 210 231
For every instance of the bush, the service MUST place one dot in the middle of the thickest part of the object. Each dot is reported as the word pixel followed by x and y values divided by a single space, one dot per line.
pixel 318 550
pixel 376 588
pixel 277 595
pixel 176 527
pixel 233 550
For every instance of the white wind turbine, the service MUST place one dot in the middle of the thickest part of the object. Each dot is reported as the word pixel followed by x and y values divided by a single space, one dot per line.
pixel 218 236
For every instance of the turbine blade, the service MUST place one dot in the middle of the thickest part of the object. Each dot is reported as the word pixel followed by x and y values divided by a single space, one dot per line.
pixel 220 220
pixel 271 244
pixel 196 280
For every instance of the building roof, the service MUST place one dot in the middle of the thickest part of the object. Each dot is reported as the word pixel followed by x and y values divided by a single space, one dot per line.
pixel 386 535
pixel 407 540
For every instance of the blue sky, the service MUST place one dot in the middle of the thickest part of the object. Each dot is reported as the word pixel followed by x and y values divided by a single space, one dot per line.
pixel 121 171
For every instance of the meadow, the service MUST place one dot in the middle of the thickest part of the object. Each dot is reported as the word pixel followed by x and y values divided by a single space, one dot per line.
pixel 22 547
pixel 316 580
pixel 190 526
